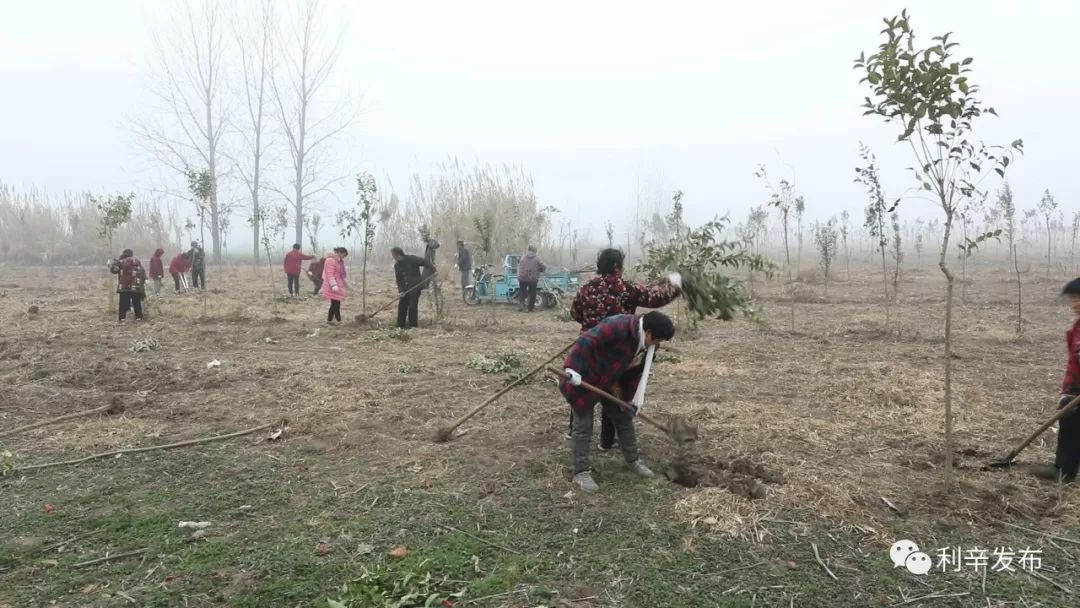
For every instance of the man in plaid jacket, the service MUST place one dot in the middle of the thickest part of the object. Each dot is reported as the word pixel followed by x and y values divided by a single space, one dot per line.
pixel 601 357
pixel 608 294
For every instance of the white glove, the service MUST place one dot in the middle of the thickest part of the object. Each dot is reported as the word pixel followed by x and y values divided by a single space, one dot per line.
pixel 573 377
pixel 675 279
pixel 333 288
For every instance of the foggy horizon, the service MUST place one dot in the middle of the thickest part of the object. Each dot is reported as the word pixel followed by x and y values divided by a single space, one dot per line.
pixel 602 104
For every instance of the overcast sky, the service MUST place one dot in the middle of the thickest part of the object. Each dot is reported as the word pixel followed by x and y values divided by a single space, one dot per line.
pixel 593 97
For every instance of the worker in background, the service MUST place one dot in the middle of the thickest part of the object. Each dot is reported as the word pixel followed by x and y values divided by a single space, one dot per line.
pixel 410 281
pixel 157 269
pixel 464 264
pixel 130 284
pixel 293 267
pixel 315 272
pixel 178 266
pixel 198 265
pixel 529 269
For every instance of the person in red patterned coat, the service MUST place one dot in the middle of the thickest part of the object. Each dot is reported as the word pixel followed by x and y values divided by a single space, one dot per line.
pixel 610 294
pixel 1067 457
pixel 601 357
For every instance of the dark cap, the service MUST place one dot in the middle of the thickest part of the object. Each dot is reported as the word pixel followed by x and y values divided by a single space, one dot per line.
pixel 1072 288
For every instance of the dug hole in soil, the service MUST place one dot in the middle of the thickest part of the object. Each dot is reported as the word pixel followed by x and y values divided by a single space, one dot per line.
pixel 740 475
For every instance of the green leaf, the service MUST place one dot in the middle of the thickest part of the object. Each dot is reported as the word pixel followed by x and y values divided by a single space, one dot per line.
pixel 334 604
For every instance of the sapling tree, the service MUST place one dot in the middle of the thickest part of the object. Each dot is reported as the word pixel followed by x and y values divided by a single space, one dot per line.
pixel 484 225
pixel 609 230
pixel 845 225
pixel 201 188
pixel 918 248
pixel 876 211
pixel 1072 247
pixel 825 239
pixel 800 213
pixel 1007 210
pixel 700 257
pixel 928 94
pixel 115 211
pixel 897 252
pixel 784 200
pixel 361 219
pixel 313 224
pixel 966 212
pixel 1047 206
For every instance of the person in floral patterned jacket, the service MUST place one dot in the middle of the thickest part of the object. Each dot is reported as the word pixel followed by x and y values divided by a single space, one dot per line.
pixel 610 294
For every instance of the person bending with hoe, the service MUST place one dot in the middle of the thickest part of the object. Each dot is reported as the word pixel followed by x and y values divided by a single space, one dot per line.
pixel 314 272
pixel 178 266
pixel 409 285
pixel 601 357
pixel 1067 458
pixel 608 294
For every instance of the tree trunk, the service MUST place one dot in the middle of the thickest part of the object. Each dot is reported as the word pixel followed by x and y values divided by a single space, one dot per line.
pixel 942 263
pixel 1019 296
pixel 363 282
pixel 885 277
pixel 1049 240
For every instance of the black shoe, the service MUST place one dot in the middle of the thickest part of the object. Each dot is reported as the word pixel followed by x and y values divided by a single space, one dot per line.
pixel 606 448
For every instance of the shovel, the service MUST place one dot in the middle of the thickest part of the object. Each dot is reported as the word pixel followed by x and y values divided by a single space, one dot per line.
pixel 1007 461
pixel 679 432
pixel 446 433
pixel 363 318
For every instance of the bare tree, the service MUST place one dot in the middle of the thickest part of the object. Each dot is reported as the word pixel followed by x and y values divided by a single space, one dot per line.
pixel 189 65
pixel 255 46
pixel 305 63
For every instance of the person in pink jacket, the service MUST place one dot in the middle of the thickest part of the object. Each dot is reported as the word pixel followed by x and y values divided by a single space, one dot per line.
pixel 334 286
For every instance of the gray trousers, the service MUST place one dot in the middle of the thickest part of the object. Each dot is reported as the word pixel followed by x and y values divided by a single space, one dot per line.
pixel 581 436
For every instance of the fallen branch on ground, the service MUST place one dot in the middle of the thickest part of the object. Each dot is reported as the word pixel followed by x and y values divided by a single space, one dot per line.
pixel 112 408
pixel 932 596
pixel 817 556
pixel 168 446
pixel 111 557
pixel 477 538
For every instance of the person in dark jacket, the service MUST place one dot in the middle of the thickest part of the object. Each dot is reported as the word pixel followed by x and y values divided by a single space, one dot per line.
pixel 177 267
pixel 157 269
pixel 198 265
pixel 314 272
pixel 130 283
pixel 464 263
pixel 410 281
pixel 603 357
pixel 529 269
pixel 293 262
pixel 608 294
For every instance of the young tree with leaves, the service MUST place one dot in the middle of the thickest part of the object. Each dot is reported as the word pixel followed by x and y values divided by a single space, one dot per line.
pixel 876 211
pixel 897 253
pixel 609 230
pixel 1047 205
pixel 114 211
pixel 800 213
pixel 361 219
pixel 825 239
pixel 1072 247
pixel 845 226
pixel 927 93
pixel 785 200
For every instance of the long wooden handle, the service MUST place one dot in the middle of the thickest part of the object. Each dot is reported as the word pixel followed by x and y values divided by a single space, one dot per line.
pixel 1065 411
pixel 506 389
pixel 624 406
pixel 57 420
pixel 406 292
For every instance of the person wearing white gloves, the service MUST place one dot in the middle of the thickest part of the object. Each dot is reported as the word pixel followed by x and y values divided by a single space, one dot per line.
pixel 601 357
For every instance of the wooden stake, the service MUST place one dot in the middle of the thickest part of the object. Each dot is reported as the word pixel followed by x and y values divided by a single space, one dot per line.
pixel 168 446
